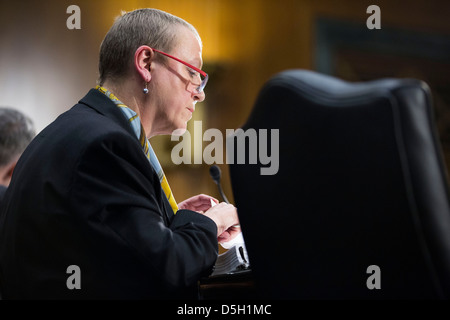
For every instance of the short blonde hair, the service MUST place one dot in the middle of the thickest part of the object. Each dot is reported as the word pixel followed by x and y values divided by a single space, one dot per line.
pixel 151 27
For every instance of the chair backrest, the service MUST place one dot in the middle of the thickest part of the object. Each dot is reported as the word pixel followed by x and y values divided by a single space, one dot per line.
pixel 359 207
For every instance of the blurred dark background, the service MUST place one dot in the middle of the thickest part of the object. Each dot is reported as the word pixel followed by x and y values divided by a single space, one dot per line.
pixel 46 68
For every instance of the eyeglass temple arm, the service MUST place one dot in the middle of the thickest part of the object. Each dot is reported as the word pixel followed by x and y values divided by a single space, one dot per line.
pixel 203 73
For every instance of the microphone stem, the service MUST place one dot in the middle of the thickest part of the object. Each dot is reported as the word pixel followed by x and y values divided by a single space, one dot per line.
pixel 221 193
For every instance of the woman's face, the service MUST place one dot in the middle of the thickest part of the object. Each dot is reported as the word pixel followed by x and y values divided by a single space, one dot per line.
pixel 170 88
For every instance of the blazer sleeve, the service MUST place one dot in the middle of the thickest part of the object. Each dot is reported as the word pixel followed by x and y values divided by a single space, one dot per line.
pixel 115 194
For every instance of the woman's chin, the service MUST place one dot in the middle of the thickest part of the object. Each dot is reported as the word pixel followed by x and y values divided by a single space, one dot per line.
pixel 179 131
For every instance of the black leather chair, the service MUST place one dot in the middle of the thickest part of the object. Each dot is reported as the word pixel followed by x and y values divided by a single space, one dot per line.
pixel 361 182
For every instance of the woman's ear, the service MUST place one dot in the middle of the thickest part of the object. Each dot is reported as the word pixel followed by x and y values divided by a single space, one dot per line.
pixel 143 58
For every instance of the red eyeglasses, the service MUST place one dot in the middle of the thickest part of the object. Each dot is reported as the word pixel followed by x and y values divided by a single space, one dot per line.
pixel 194 72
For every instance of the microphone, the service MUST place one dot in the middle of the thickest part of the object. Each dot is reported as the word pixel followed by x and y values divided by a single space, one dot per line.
pixel 215 173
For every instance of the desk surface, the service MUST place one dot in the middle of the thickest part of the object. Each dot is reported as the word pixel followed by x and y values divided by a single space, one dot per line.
pixel 237 285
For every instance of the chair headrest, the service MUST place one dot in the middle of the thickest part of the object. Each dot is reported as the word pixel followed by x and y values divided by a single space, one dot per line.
pixel 329 90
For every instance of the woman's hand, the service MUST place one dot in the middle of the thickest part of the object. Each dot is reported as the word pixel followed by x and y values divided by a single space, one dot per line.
pixel 229 234
pixel 199 203
pixel 223 214
pixel 226 218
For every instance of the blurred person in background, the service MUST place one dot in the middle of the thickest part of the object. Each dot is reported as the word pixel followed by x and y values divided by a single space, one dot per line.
pixel 16 132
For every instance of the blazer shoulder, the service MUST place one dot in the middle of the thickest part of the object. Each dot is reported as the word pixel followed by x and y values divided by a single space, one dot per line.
pixel 82 124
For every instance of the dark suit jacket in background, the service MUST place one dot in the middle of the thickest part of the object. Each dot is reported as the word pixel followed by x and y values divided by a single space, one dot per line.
pixel 83 193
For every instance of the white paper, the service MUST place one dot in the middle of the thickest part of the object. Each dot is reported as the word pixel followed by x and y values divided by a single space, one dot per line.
pixel 238 240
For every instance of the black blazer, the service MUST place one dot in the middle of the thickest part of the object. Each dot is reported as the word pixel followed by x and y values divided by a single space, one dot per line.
pixel 83 193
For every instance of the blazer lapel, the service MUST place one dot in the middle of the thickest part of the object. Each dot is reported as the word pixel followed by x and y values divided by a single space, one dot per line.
pixel 103 105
